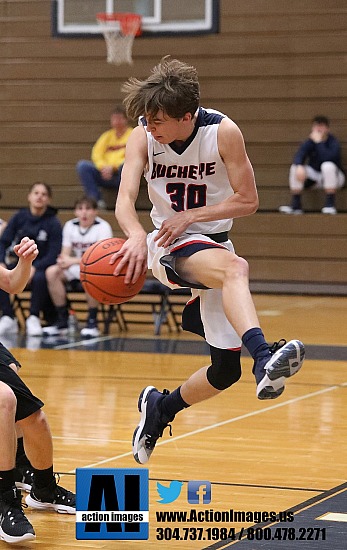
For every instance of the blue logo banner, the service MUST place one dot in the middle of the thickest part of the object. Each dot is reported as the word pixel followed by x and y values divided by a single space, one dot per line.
pixel 112 504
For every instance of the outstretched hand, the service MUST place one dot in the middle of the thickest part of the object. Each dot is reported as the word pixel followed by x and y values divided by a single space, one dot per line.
pixel 26 249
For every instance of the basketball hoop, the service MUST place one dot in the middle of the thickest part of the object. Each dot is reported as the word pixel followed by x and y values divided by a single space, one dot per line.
pixel 119 30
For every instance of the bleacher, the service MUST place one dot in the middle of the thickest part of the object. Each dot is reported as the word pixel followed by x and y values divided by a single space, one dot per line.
pixel 286 254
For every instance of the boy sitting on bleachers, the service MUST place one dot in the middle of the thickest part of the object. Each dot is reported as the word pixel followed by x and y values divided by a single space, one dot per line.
pixel 78 234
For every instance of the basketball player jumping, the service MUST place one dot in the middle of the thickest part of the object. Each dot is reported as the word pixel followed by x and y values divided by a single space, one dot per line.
pixel 199 178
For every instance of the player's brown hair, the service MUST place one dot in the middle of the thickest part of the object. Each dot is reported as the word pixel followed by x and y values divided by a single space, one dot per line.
pixel 172 87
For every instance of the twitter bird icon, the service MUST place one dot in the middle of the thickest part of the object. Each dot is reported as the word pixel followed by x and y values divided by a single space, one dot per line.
pixel 170 493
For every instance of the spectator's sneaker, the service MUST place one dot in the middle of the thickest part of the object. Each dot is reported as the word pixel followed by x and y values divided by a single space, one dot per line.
pixel 8 325
pixel 14 526
pixel 290 210
pixel 33 326
pixel 329 210
pixel 52 497
pixel 24 476
pixel 59 329
pixel 152 423
pixel 91 330
pixel 33 342
pixel 102 204
pixel 286 360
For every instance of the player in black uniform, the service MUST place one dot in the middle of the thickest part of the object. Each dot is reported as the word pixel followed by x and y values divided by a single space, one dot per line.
pixel 18 406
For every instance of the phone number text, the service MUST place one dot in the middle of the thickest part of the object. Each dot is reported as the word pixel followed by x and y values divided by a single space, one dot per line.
pixel 249 533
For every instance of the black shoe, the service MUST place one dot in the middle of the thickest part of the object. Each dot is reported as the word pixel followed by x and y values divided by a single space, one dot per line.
pixel 152 423
pixel 52 497
pixel 14 526
pixel 24 476
pixel 285 360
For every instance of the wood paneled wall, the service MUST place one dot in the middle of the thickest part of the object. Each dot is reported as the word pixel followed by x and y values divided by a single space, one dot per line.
pixel 273 66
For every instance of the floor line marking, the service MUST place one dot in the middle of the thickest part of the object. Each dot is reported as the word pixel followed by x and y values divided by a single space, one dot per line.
pixel 91 439
pixel 218 424
pixel 86 341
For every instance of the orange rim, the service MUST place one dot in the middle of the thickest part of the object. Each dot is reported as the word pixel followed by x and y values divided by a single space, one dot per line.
pixel 130 22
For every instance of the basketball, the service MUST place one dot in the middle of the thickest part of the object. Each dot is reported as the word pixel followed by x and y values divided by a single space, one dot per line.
pixel 97 274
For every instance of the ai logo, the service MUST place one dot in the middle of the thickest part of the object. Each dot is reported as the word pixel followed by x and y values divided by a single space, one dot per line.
pixel 112 504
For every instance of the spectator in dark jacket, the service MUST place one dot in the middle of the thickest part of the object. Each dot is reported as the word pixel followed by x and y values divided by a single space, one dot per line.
pixel 317 164
pixel 38 222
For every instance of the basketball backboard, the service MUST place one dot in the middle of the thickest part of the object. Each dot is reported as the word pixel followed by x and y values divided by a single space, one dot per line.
pixel 78 17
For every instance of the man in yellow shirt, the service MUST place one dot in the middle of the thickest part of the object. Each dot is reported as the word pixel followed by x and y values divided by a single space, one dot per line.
pixel 104 170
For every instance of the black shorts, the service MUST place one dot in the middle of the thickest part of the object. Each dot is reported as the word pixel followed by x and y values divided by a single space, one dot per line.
pixel 27 403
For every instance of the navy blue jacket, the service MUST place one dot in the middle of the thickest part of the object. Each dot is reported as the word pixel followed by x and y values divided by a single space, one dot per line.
pixel 45 229
pixel 314 154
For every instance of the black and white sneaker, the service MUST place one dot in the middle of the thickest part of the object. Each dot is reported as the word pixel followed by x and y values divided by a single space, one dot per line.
pixel 285 361
pixel 91 330
pixel 152 423
pixel 52 497
pixel 24 476
pixel 14 525
pixel 59 329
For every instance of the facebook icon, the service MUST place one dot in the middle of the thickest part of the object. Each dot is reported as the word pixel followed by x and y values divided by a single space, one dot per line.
pixel 199 492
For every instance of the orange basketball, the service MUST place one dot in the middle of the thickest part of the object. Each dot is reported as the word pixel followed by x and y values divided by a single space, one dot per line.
pixel 97 274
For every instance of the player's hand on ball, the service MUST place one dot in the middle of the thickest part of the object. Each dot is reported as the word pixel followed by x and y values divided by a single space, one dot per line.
pixel 97 273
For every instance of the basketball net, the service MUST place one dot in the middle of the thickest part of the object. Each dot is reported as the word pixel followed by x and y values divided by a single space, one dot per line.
pixel 119 31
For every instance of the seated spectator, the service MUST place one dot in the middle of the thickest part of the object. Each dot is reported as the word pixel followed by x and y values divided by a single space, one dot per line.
pixel 317 164
pixel 38 222
pixel 104 170
pixel 78 234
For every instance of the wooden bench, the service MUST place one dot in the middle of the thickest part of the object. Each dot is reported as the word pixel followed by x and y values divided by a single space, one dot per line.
pixel 76 302
pixel 308 250
pixel 155 305
pixel 271 197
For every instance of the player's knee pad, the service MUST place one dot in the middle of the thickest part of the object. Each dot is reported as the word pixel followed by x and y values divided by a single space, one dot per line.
pixel 225 369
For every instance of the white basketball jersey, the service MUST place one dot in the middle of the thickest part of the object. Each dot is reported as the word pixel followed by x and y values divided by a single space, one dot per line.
pixel 79 238
pixel 188 177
